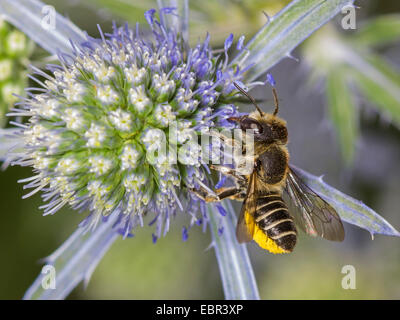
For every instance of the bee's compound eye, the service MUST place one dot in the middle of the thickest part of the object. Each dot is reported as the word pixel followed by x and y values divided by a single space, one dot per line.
pixel 251 124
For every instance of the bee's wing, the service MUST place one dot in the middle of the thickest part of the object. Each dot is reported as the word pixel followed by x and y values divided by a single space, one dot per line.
pixel 313 214
pixel 244 230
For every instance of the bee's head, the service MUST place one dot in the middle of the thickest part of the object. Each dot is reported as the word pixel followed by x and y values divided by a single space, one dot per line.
pixel 267 128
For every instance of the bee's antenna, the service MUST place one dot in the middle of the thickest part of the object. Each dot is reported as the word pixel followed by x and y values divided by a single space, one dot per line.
pixel 276 100
pixel 249 97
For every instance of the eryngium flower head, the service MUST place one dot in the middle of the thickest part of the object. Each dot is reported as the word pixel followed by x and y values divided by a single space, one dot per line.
pixel 96 128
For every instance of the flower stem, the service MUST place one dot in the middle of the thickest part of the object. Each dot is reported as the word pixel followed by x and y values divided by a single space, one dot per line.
pixel 7 142
pixel 284 32
pixel 74 261
pixel 42 24
pixel 237 274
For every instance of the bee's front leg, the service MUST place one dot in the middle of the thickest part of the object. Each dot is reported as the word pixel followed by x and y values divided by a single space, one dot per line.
pixel 228 141
pixel 228 171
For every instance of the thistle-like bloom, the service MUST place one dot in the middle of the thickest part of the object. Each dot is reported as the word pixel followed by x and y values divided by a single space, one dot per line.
pixel 98 130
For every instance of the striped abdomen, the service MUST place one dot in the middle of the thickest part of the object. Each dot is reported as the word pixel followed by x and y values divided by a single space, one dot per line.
pixel 273 218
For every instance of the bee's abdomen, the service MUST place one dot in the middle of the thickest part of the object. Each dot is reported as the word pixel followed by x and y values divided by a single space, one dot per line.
pixel 272 216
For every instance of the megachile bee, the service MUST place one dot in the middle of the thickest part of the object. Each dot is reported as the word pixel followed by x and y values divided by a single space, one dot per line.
pixel 273 187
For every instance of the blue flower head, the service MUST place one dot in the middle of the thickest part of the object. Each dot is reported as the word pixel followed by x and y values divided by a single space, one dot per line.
pixel 98 127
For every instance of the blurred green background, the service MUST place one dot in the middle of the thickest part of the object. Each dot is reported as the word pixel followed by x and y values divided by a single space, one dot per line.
pixel 171 269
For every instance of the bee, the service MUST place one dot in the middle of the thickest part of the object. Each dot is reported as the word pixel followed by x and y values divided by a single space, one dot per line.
pixel 275 199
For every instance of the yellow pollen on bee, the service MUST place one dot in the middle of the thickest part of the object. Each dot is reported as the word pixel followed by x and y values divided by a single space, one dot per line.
pixel 261 238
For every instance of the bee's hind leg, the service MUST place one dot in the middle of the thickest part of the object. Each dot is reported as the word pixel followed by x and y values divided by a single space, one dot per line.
pixel 205 195
pixel 235 193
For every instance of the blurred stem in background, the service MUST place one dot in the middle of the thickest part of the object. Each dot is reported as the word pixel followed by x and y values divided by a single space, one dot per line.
pixel 75 260
pixel 15 50
pixel 247 15
pixel 350 65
